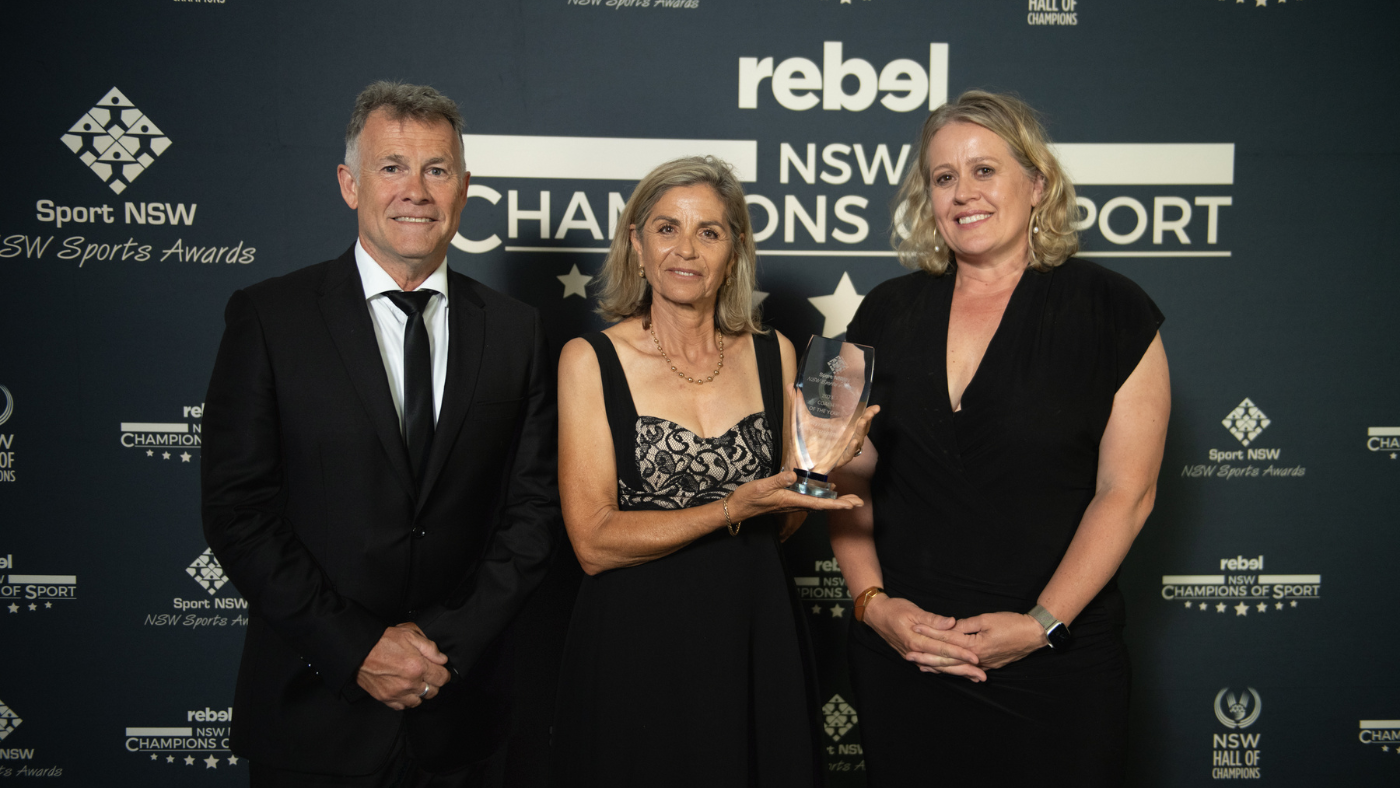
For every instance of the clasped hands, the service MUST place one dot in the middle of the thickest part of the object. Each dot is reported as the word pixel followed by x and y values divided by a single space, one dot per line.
pixel 404 668
pixel 966 647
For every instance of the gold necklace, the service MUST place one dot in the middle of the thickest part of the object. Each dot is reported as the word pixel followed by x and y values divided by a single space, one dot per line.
pixel 710 378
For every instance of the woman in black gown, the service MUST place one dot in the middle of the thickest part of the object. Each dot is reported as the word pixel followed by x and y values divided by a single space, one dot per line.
pixel 1026 397
pixel 685 663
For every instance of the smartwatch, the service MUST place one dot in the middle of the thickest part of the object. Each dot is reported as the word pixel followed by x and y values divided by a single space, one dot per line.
pixel 1055 630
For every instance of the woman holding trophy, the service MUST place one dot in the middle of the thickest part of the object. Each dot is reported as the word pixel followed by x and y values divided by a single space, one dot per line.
pixel 1026 396
pixel 685 661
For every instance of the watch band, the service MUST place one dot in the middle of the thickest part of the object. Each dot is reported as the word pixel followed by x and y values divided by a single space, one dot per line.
pixel 1056 631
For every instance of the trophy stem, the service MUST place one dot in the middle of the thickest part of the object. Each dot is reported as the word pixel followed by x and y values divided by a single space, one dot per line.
pixel 813 484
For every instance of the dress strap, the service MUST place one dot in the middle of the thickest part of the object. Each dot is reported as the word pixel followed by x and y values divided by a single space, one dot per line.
pixel 770 380
pixel 621 410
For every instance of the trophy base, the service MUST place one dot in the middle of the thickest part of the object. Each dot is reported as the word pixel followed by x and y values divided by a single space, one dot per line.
pixel 808 484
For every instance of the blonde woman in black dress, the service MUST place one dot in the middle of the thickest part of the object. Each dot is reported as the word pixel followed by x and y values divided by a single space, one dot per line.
pixel 685 663
pixel 1026 397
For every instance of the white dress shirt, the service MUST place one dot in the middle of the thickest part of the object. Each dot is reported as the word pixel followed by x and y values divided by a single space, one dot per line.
pixel 389 322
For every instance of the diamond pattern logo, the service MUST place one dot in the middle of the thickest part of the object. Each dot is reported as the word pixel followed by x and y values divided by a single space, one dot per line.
pixel 840 717
pixel 8 721
pixel 1246 421
pixel 116 140
pixel 207 571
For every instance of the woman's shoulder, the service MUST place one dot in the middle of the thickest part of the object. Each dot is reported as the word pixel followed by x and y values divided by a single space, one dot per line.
pixel 1079 272
pixel 904 289
pixel 902 298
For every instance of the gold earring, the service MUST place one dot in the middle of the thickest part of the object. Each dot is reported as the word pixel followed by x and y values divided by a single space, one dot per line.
pixel 641 272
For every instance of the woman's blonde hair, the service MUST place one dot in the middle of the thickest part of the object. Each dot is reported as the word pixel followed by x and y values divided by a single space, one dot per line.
pixel 623 294
pixel 914 233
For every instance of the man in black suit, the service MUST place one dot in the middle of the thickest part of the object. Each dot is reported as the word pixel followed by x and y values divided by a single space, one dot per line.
pixel 379 479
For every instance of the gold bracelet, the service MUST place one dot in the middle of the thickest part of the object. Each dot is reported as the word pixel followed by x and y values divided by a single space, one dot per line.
pixel 864 599
pixel 733 529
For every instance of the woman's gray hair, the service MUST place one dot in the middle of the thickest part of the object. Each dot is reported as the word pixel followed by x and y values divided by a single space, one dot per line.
pixel 401 100
pixel 915 234
pixel 623 294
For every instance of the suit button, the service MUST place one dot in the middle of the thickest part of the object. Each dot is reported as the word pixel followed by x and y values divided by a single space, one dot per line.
pixel 419 533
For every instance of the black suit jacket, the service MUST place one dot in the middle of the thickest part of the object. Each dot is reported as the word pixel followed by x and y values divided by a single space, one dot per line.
pixel 310 506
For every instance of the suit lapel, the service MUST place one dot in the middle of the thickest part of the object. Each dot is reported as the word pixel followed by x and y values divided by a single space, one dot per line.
pixel 347 317
pixel 466 339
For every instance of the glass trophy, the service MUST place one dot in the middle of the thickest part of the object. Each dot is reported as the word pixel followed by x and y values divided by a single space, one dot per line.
pixel 833 386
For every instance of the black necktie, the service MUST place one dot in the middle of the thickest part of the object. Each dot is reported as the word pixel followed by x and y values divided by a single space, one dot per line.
pixel 417 378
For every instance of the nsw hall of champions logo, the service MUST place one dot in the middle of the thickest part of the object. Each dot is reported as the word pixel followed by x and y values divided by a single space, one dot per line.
pixel 1384 735
pixel 26 593
pixel 7 440
pixel 116 140
pixel 1246 423
pixel 826 590
pixel 208 609
pixel 202 742
pixel 167 441
pixel 1245 590
pixel 1236 755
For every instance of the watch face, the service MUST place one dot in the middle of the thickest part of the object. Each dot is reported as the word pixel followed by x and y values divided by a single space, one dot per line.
pixel 1058 636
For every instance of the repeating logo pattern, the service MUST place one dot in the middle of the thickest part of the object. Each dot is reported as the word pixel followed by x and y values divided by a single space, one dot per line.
pixel 8 721
pixel 116 140
pixel 208 572
pixel 1246 421
pixel 839 717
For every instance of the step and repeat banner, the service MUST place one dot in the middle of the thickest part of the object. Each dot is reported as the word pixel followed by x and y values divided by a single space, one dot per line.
pixel 1236 158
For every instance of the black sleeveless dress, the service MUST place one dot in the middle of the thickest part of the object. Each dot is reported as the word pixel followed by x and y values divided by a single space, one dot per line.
pixel 973 512
pixel 693 669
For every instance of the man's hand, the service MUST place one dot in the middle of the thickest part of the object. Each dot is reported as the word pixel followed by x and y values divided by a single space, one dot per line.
pixel 401 665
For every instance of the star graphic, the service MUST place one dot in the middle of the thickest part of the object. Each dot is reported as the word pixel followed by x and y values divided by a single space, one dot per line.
pixel 816 609
pixel 845 2
pixel 170 759
pixel 1278 606
pixel 211 762
pixel 1241 609
pixel 1385 748
pixel 150 453
pixel 1220 607
pixel 1260 3
pixel 1293 603
pixel 1203 605
pixel 836 611
pixel 1392 455
pixel 185 457
pixel 14 608
pixel 165 455
pixel 759 295
pixel 839 307
pixel 48 604
pixel 33 606
pixel 1188 605
pixel 233 760
pixel 154 756
pixel 575 282
pixel 1263 606
pixel 189 760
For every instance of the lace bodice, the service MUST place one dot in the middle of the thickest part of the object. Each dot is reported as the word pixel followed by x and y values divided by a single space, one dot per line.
pixel 680 469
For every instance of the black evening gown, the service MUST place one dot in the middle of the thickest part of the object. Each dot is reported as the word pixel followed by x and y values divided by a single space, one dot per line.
pixel 693 669
pixel 973 512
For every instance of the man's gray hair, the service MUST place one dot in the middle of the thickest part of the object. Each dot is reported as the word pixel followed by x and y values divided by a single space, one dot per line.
pixel 401 100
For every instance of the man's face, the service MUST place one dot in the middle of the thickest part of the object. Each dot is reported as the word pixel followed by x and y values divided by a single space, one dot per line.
pixel 408 192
